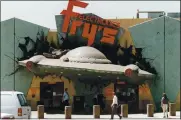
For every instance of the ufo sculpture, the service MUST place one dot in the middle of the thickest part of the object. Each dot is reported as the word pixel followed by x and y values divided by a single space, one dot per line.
pixel 89 64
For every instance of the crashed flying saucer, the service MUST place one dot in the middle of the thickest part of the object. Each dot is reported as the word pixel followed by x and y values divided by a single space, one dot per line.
pixel 86 61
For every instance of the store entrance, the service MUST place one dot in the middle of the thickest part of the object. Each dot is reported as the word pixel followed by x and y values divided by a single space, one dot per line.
pixel 128 94
pixel 51 96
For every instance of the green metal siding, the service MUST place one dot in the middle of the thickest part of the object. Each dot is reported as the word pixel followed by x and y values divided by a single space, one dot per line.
pixel 151 36
pixel 23 78
pixel 7 64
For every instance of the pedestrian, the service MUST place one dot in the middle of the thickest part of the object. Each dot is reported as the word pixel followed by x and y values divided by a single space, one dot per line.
pixel 164 104
pixel 101 101
pixel 65 99
pixel 115 106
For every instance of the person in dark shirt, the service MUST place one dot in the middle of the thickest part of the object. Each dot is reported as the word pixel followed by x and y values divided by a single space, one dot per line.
pixel 101 101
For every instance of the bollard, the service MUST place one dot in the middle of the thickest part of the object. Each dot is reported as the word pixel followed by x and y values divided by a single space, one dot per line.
pixel 172 109
pixel 40 109
pixel 96 111
pixel 124 110
pixel 68 112
pixel 150 110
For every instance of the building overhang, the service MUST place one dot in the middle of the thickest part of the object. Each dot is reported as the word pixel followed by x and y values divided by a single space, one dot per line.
pixel 96 72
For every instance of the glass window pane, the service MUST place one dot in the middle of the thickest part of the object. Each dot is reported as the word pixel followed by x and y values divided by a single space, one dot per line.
pixel 22 99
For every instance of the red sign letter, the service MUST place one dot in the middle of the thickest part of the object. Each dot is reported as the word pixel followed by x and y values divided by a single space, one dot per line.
pixel 75 24
pixel 109 35
pixel 90 35
pixel 69 13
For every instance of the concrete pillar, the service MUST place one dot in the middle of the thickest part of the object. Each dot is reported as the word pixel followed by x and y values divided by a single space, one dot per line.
pixel 40 110
pixel 96 111
pixel 172 109
pixel 150 110
pixel 68 112
pixel 124 110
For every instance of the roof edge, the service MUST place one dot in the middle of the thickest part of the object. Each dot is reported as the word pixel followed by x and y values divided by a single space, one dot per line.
pixel 24 21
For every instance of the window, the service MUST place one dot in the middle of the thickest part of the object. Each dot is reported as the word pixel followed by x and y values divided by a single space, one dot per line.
pixel 22 100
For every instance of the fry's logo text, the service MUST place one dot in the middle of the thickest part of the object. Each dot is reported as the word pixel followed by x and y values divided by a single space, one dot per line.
pixel 108 33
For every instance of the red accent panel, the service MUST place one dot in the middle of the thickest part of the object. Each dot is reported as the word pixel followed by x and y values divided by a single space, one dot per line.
pixel 29 65
pixel 128 72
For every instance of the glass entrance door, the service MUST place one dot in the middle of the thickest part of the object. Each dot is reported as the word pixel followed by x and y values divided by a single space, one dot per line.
pixel 128 94
pixel 51 96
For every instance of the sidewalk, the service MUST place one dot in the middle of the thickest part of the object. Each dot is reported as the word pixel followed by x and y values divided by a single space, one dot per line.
pixel 130 116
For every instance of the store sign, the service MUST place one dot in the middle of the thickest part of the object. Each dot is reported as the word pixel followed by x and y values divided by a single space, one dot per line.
pixel 89 23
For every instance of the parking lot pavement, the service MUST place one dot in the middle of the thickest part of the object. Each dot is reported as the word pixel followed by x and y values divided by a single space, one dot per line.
pixel 130 116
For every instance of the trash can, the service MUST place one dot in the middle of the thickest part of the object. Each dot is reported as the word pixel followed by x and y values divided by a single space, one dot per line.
pixel 78 104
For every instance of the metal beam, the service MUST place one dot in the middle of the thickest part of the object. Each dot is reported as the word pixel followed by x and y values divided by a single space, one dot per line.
pixel 150 11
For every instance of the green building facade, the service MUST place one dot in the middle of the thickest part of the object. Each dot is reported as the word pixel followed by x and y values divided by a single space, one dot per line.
pixel 16 76
pixel 150 36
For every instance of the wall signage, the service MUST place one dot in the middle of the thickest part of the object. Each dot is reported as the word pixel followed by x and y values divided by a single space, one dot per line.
pixel 91 24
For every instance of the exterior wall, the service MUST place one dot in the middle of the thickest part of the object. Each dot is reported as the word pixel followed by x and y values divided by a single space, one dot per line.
pixel 6 47
pixel 22 29
pixel 35 88
pixel 178 101
pixel 145 95
pixel 150 35
pixel 76 88
pixel 154 15
pixel 127 38
pixel 52 37
pixel 126 23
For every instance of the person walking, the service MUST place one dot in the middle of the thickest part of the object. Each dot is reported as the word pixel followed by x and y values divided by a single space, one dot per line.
pixel 114 106
pixel 65 99
pixel 164 105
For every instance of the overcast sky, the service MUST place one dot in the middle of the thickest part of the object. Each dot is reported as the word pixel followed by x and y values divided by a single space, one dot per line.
pixel 43 12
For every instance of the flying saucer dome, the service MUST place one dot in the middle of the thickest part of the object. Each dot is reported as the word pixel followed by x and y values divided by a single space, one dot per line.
pixel 85 54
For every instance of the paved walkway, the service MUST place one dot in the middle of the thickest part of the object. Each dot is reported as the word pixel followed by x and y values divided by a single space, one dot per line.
pixel 130 116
